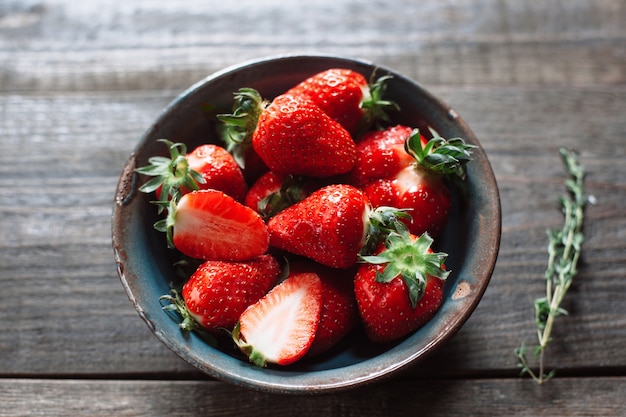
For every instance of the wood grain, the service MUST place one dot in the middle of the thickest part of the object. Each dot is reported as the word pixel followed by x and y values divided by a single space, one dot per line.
pixel 61 229
pixel 494 397
pixel 81 82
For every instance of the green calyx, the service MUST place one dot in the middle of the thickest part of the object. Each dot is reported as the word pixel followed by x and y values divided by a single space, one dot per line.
pixel 166 224
pixel 291 192
pixel 381 222
pixel 170 174
pixel 236 128
pixel 176 304
pixel 254 356
pixel 410 259
pixel 375 107
pixel 443 156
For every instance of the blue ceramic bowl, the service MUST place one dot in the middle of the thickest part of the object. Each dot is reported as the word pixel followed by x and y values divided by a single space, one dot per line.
pixel 471 238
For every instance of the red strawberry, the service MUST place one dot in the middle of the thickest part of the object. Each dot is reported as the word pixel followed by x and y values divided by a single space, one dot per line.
pixel 401 287
pixel 381 154
pixel 294 136
pixel 210 225
pixel 266 185
pixel 272 192
pixel 346 97
pixel 331 226
pixel 420 185
pixel 339 313
pixel 219 170
pixel 291 135
pixel 281 326
pixel 207 166
pixel 218 292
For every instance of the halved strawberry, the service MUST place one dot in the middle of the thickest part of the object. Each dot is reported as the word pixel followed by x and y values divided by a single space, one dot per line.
pixel 331 226
pixel 218 292
pixel 210 225
pixel 281 326
pixel 339 313
pixel 401 287
pixel 347 97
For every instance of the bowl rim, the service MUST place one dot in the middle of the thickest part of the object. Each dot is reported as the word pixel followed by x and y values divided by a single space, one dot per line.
pixel 229 369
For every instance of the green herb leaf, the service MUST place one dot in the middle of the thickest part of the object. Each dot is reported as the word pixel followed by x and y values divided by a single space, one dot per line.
pixel 564 249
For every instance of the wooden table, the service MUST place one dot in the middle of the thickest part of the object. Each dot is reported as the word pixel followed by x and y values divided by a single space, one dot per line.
pixel 81 81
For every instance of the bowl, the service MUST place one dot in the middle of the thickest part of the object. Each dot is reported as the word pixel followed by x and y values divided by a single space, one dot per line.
pixel 471 237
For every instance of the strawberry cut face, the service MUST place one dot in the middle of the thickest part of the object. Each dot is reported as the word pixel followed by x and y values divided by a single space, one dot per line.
pixel 211 225
pixel 281 326
pixel 218 292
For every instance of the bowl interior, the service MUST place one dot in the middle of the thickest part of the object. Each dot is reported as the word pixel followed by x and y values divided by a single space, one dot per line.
pixel 145 265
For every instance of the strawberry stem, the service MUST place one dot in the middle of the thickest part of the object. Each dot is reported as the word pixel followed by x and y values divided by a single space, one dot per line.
pixel 375 108
pixel 382 221
pixel 446 157
pixel 291 192
pixel 254 356
pixel 413 260
pixel 166 224
pixel 176 308
pixel 177 304
pixel 171 174
pixel 237 127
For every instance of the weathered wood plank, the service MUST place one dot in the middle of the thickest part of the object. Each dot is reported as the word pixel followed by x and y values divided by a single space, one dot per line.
pixel 56 46
pixel 56 258
pixel 482 397
pixel 458 62
pixel 79 83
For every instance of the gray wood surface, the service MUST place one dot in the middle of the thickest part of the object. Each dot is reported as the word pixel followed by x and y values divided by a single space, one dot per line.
pixel 81 81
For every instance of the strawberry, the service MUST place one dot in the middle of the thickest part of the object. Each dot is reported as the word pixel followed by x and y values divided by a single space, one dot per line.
pixel 294 136
pixel 218 292
pixel 346 97
pixel 400 288
pixel 381 154
pixel 207 166
pixel 290 134
pixel 219 170
pixel 331 226
pixel 281 326
pixel 272 192
pixel 267 184
pixel 339 313
pixel 210 225
pixel 417 183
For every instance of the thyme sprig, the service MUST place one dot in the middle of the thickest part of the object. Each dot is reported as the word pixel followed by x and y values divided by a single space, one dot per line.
pixel 564 249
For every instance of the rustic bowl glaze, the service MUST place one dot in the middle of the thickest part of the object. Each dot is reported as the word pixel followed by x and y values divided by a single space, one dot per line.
pixel 471 238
